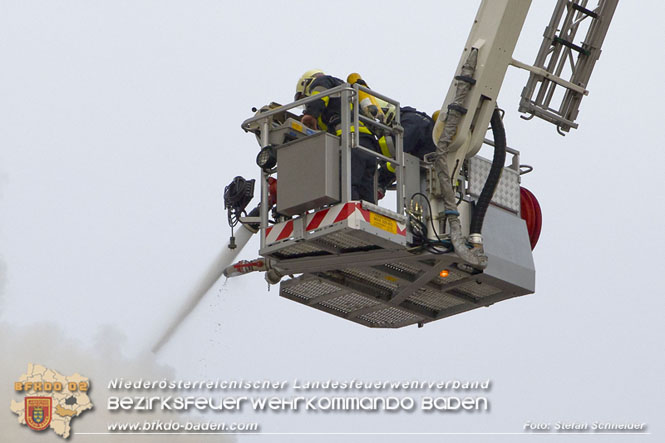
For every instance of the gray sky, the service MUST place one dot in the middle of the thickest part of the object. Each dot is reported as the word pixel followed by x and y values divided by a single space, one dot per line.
pixel 120 126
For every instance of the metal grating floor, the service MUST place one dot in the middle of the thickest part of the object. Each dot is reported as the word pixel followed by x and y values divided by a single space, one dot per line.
pixel 432 299
pixel 477 290
pixel 389 317
pixel 349 302
pixel 403 268
pixel 371 279
pixel 310 289
pixel 343 241
pixel 386 296
pixel 300 249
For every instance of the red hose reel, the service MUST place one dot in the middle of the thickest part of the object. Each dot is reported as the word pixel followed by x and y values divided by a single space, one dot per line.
pixel 531 214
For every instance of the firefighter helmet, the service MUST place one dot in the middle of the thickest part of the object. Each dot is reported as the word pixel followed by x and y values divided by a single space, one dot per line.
pixel 304 81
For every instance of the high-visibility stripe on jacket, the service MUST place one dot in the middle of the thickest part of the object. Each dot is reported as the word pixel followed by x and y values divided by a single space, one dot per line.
pixel 363 130
pixel 385 150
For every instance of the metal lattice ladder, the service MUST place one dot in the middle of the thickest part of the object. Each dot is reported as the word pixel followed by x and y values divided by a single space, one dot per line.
pixel 559 52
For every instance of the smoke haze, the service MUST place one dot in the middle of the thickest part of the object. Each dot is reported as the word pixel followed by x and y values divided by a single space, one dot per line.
pixel 45 344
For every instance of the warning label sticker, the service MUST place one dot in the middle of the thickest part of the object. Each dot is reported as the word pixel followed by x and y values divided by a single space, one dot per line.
pixel 381 222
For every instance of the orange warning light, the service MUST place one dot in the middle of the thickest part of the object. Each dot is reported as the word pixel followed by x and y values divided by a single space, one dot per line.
pixel 444 273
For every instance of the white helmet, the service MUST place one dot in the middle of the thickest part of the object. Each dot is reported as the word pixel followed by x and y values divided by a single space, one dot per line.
pixel 304 81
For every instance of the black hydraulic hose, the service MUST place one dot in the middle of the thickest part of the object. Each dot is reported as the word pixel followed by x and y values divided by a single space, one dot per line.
pixel 499 133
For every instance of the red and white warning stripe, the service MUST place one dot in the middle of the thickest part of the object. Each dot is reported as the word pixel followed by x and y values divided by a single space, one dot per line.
pixel 278 232
pixel 324 217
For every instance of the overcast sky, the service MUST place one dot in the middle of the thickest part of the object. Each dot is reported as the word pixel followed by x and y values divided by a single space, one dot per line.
pixel 120 127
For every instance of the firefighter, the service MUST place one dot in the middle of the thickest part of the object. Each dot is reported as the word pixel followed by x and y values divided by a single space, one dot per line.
pixel 325 114
pixel 417 141
pixel 417 126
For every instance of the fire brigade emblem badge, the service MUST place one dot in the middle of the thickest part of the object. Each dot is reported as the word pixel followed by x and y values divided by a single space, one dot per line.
pixel 38 412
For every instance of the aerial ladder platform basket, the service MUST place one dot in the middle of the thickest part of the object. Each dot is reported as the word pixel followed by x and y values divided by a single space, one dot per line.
pixel 355 259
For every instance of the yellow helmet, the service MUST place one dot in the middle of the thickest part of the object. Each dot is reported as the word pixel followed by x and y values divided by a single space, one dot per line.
pixel 353 78
pixel 304 81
